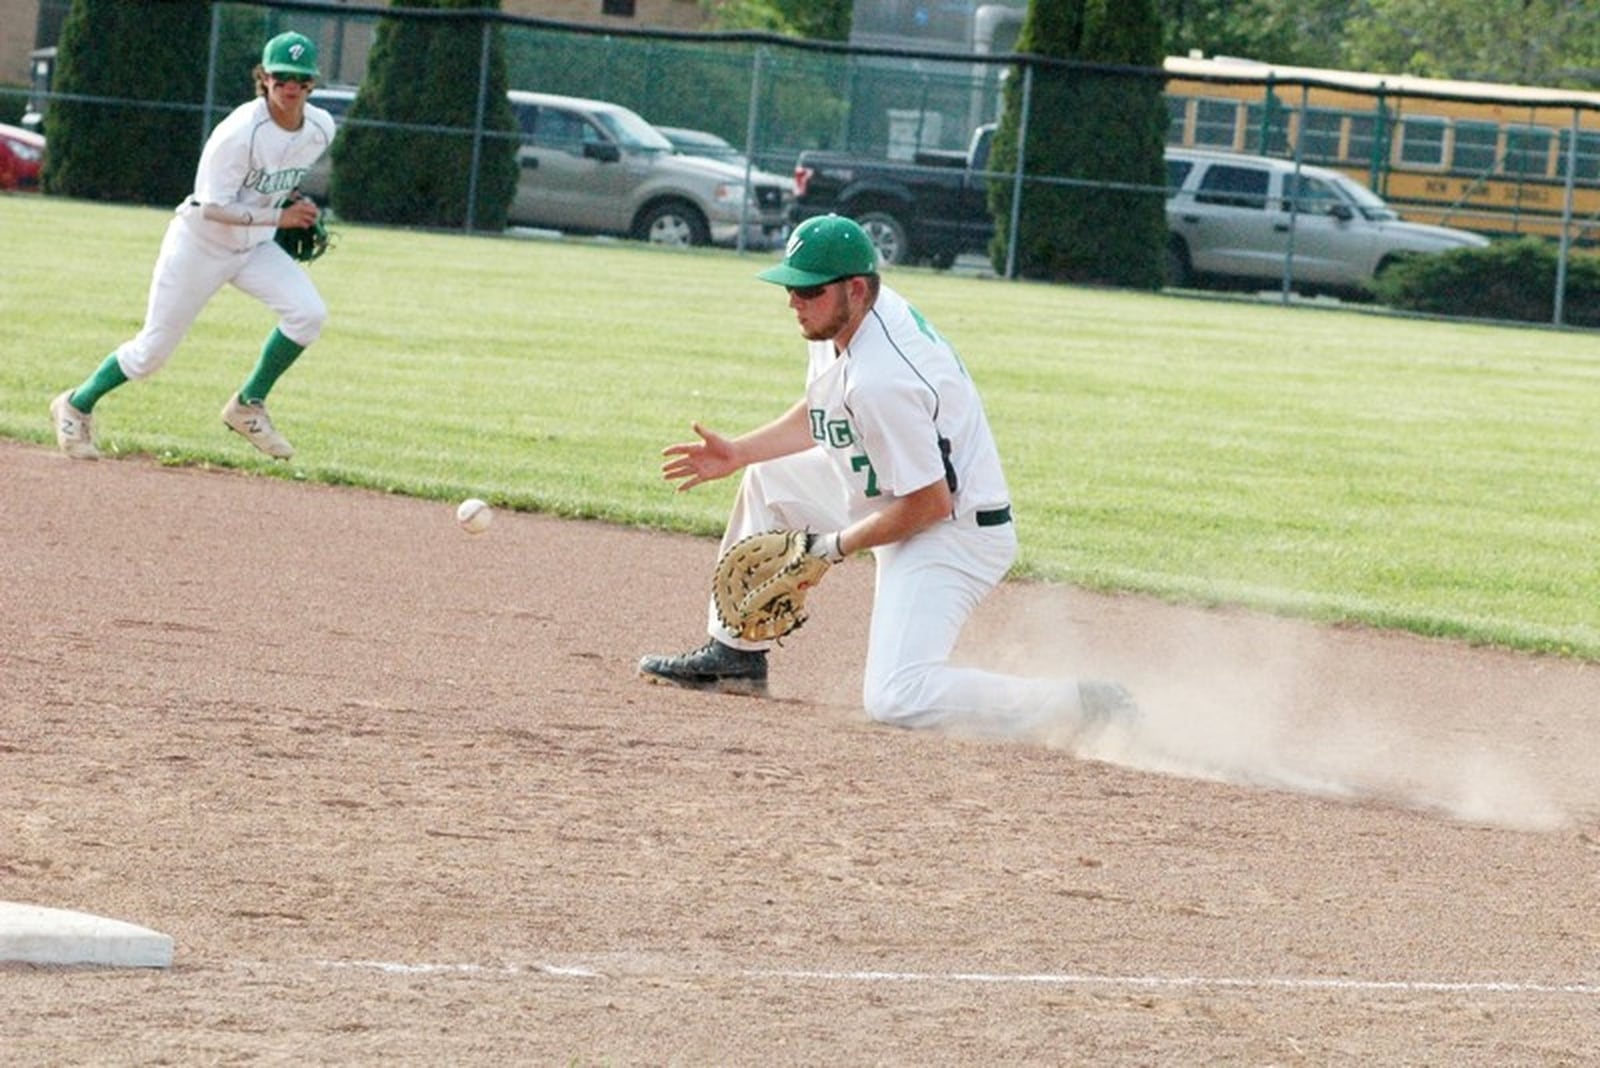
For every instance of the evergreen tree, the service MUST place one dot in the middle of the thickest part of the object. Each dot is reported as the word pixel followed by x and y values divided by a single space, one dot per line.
pixel 143 153
pixel 1086 127
pixel 426 73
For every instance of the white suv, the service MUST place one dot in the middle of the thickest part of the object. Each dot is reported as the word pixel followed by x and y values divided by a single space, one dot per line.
pixel 588 166
pixel 1248 218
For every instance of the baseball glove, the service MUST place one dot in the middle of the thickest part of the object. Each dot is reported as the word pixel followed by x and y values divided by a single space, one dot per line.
pixel 761 582
pixel 304 243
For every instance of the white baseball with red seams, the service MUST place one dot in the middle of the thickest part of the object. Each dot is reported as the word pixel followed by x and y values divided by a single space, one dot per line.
pixel 474 515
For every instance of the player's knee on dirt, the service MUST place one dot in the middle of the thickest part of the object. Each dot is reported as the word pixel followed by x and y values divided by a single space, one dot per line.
pixel 899 700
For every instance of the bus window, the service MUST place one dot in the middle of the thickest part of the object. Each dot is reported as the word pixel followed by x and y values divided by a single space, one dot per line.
pixel 1528 151
pixel 1177 119
pixel 1475 147
pixel 1588 155
pixel 1214 123
pixel 1274 119
pixel 1422 141
pixel 1361 147
pixel 1320 130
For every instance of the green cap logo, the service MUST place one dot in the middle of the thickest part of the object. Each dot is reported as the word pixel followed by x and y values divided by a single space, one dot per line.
pixel 290 53
pixel 821 250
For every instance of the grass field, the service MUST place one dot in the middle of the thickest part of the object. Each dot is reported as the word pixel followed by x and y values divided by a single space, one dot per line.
pixel 1334 464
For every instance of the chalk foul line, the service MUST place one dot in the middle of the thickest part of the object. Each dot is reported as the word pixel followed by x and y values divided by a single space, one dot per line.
pixel 1291 983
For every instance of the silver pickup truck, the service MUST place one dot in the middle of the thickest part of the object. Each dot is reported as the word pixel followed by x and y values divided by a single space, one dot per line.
pixel 592 167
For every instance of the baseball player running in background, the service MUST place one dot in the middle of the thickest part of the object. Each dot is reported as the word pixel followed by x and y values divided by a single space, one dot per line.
pixel 888 451
pixel 243 187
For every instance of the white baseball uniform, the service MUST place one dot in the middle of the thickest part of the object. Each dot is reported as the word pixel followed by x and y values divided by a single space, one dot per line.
pixel 893 413
pixel 248 160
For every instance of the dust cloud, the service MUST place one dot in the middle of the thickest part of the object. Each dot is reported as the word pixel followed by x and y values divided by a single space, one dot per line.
pixel 1357 759
pixel 1271 703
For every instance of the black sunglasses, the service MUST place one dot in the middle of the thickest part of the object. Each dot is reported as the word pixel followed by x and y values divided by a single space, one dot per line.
pixel 809 292
pixel 299 79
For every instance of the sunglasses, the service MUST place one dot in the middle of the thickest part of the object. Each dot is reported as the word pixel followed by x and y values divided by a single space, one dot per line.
pixel 298 79
pixel 808 292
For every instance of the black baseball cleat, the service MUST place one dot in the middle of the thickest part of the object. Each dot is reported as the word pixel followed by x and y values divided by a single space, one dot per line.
pixel 713 666
pixel 1104 703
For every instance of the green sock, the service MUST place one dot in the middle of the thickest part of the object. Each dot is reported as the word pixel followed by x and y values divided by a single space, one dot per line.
pixel 276 356
pixel 103 381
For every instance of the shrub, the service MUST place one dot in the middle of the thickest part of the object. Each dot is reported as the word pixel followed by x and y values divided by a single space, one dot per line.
pixel 1513 280
pixel 424 73
pixel 139 74
pixel 1087 128
pixel 148 55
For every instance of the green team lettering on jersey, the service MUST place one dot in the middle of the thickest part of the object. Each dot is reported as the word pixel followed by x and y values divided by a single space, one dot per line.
pixel 265 181
pixel 837 434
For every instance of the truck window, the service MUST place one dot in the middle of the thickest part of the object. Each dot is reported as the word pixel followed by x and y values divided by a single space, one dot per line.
pixel 1314 196
pixel 1177 171
pixel 527 119
pixel 1233 187
pixel 562 131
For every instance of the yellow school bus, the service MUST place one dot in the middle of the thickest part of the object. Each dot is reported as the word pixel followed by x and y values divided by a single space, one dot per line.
pixel 1498 159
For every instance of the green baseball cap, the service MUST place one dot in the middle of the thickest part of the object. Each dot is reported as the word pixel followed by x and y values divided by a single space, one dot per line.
pixel 290 53
pixel 821 250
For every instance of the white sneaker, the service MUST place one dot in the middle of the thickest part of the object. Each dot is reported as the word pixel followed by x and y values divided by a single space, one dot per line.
pixel 74 429
pixel 252 423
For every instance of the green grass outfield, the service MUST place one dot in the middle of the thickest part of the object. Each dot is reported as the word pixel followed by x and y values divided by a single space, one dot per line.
pixel 1339 465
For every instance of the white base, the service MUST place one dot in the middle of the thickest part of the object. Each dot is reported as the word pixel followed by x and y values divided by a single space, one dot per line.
pixel 34 934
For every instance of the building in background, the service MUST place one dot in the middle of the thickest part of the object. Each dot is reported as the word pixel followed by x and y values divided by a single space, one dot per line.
pixel 946 25
pixel 900 107
pixel 30 25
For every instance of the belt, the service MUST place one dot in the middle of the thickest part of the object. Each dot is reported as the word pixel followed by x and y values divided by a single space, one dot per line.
pixel 995 517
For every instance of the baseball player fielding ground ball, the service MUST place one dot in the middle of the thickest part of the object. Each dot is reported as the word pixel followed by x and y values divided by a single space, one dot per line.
pixel 889 451
pixel 244 190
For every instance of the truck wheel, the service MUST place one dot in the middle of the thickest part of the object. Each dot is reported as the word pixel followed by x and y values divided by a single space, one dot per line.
pixel 888 236
pixel 672 222
pixel 1391 261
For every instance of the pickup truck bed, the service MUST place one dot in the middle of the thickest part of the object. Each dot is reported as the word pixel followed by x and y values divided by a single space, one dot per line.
pixel 931 209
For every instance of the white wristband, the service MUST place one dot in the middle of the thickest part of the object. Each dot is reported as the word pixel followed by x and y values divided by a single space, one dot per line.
pixel 827 546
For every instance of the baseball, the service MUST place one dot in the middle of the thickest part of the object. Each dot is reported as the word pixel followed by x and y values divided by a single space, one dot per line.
pixel 474 515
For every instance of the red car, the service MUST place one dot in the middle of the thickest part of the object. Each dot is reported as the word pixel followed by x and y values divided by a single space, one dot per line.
pixel 21 158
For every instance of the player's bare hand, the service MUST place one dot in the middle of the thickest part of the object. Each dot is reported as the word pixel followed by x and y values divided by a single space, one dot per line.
pixel 690 463
pixel 302 211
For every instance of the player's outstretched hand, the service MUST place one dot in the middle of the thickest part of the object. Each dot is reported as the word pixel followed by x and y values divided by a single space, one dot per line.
pixel 690 463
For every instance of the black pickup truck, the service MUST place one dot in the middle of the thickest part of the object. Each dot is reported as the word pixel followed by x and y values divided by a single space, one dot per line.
pixel 931 209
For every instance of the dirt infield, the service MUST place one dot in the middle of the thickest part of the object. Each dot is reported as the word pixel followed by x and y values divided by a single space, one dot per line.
pixel 400 798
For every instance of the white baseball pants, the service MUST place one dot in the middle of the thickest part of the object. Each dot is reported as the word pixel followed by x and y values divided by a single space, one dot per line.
pixel 191 269
pixel 927 587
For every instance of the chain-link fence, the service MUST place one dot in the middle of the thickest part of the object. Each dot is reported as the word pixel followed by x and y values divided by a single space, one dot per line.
pixel 1499 163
